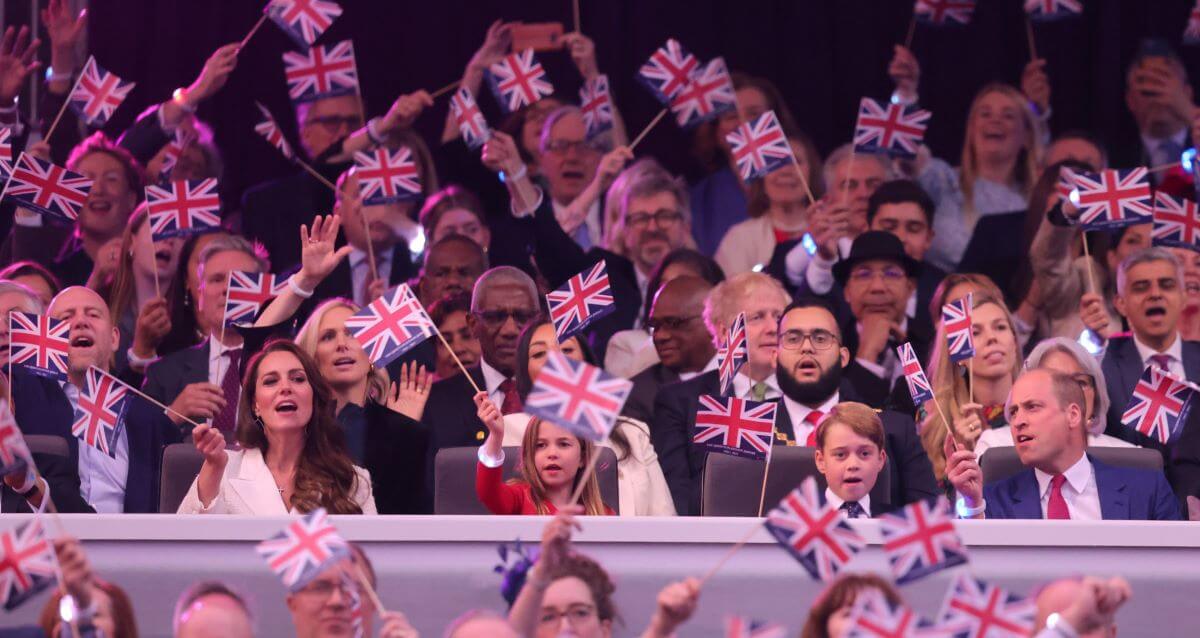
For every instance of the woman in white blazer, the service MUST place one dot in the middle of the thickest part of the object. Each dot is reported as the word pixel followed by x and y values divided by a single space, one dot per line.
pixel 293 457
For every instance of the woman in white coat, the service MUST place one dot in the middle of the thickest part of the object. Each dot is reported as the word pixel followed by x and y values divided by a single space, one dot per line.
pixel 293 457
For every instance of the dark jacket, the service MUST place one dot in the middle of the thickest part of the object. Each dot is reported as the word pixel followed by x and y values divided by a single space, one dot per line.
pixel 63 478
pixel 1122 367
pixel 646 385
pixel 395 453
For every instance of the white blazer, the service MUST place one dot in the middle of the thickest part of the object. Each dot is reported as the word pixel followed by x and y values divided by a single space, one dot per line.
pixel 746 245
pixel 629 352
pixel 248 488
pixel 641 487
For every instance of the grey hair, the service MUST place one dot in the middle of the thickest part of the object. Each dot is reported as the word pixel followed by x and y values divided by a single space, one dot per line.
pixel 651 179
pixel 33 302
pixel 1145 256
pixel 841 154
pixel 721 304
pixel 503 275
pixel 235 243
pixel 552 119
pixel 1091 367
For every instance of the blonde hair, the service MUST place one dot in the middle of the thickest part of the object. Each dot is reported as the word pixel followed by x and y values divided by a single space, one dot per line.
pixel 1026 173
pixel 721 306
pixel 377 378
pixel 593 504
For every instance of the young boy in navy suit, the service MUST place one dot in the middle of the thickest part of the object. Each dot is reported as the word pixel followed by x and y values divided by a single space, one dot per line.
pixel 850 454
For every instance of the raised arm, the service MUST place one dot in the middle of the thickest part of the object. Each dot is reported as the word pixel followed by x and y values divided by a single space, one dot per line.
pixel 556 545
pixel 318 258
pixel 583 54
pixel 496 45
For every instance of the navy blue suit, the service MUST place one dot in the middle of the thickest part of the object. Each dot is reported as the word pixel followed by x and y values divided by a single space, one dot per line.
pixel 1126 494
pixel 1122 367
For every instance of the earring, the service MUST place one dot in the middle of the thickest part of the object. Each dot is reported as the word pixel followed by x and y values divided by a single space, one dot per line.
pixel 258 421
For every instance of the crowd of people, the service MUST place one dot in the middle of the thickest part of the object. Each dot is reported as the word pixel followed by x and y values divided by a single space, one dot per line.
pixel 834 262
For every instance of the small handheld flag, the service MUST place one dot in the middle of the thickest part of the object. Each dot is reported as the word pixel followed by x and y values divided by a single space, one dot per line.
pixel 944 12
pixel 304 549
pixel 1191 33
pixel 518 80
pixel 14 453
pixel 920 540
pixel 386 176
pixel 1176 222
pixel 28 565
pixel 391 325
pixel 183 208
pixel 668 71
pixel 173 151
pixel 733 354
pixel 742 627
pixel 975 609
pixel 735 426
pixel 6 156
pixel 1159 405
pixel 471 124
pixel 97 93
pixel 248 292
pixel 816 535
pixel 874 617
pixel 577 396
pixel 585 298
pixel 269 129
pixel 321 72
pixel 39 343
pixel 100 411
pixel 596 104
pixel 956 322
pixel 706 97
pixel 894 129
pixel 759 147
pixel 1112 199
pixel 1046 10
pixel 303 20
pixel 918 383
pixel 47 188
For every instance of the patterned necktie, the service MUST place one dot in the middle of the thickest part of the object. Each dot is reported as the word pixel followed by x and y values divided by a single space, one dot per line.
pixel 759 391
pixel 512 401
pixel 1056 509
pixel 853 509
pixel 814 419
pixel 1163 361
pixel 231 387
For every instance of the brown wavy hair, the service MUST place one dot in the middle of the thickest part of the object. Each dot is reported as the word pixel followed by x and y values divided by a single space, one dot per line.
pixel 325 475
pixel 124 620
pixel 840 593
pixel 593 504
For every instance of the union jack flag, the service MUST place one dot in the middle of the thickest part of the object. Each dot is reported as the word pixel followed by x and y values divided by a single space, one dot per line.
pixel 5 153
pixel 894 129
pixel 391 325
pixel 28 564
pixel 732 355
pixel 47 188
pixel 471 124
pixel 518 80
pixel 875 617
pixel 816 535
pixel 1176 222
pixel 248 292
pixel 920 540
pixel 304 549
pixel 1159 405
pixel 357 612
pixel 585 298
pixel 386 176
pixel 1191 33
pixel 918 383
pixel 173 150
pixel 1042 10
pixel 1112 198
pixel 97 93
pixel 975 609
pixel 707 96
pixel 596 104
pixel 100 412
pixel 14 453
pixel 321 72
pixel 743 627
pixel 39 343
pixel 956 322
pixel 668 71
pixel 735 426
pixel 760 147
pixel 183 208
pixel 269 129
pixel 943 12
pixel 303 20
pixel 579 397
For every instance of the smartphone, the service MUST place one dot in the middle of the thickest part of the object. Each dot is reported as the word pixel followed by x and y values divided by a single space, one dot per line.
pixel 539 36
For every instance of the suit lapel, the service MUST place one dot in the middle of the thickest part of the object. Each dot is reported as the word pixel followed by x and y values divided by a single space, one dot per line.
pixel 255 485
pixel 1027 502
pixel 1130 365
pixel 1114 499
pixel 783 425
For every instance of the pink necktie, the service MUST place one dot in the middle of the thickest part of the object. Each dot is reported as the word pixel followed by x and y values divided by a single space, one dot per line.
pixel 1163 361
pixel 1056 509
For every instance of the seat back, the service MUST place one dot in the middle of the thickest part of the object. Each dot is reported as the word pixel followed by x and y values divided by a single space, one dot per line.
pixel 999 463
pixel 181 463
pixel 732 485
pixel 454 479
pixel 48 444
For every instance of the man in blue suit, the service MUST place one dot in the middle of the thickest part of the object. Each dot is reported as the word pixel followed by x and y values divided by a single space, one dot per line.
pixel 1045 409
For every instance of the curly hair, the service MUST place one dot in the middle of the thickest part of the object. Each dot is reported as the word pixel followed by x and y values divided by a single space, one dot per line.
pixel 597 580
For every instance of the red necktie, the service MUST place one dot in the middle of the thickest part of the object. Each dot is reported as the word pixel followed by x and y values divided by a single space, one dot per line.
pixel 512 401
pixel 1163 361
pixel 1056 509
pixel 814 419
pixel 231 387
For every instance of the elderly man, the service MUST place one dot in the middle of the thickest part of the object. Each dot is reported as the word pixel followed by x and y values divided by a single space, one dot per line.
pixel 335 603
pixel 1046 411
pixel 567 163
pixel 1159 98
pixel 211 608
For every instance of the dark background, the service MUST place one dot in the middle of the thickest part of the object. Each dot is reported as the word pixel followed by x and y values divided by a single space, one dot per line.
pixel 823 54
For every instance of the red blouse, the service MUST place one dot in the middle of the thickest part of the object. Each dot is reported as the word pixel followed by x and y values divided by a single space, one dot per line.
pixel 504 498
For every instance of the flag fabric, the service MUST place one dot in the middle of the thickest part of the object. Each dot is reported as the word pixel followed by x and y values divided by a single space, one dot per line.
pixel 576 304
pixel 1176 222
pixel 578 397
pixel 518 80
pixel 975 609
pixel 1045 10
pixel 100 411
pixel 321 72
pixel 889 128
pixel 816 535
pixel 173 150
pixel 14 453
pixel 1112 198
pixel 6 157
pixel 734 426
pixel 668 71
pixel 918 383
pixel 248 292
pixel 355 602
pixel 183 208
pixel 596 104
pixel 39 343
pixel 386 176
pixel 1191 33
pixel 391 325
pixel 706 97
pixel 1159 405
pixel 472 126
pixel 920 539
pixel 944 12
pixel 733 354
pixel 874 617
pixel 47 188
pixel 743 627
pixel 97 93
pixel 28 564
pixel 269 129
pixel 306 547
pixel 760 147
pixel 303 20
pixel 956 322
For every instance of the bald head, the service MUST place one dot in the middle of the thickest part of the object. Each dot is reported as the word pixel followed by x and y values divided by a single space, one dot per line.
pixel 93 335
pixel 680 338
pixel 481 625
pixel 214 614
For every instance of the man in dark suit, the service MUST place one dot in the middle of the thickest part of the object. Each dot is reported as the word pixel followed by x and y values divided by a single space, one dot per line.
pixel 20 493
pixel 1160 99
pixel 684 346
pixel 809 372
pixel 1045 410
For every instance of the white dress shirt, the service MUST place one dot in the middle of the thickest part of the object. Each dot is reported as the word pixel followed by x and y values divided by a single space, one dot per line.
pixel 798 412
pixel 711 365
pixel 1175 351
pixel 360 266
pixel 1079 491
pixel 492 378
pixel 102 478
pixel 743 386
pixel 837 501
pixel 1154 148
pixel 588 234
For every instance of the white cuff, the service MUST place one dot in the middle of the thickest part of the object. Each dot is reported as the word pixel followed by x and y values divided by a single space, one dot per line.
pixel 960 508
pixel 138 362
pixel 27 218
pixel 295 287
pixel 537 203
pixel 819 274
pixel 489 461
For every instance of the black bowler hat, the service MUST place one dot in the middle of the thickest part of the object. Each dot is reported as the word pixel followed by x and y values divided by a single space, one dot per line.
pixel 255 338
pixel 875 244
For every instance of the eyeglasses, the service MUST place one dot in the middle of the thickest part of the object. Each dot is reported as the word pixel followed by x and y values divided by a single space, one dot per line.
pixel 794 339
pixel 890 274
pixel 335 123
pixel 324 588
pixel 561 147
pixel 669 323
pixel 575 614
pixel 497 318
pixel 664 217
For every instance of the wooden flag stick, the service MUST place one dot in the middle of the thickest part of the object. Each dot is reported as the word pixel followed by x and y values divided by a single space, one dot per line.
pixel 591 467
pixel 762 491
pixel 253 30
pixel 157 286
pixel 456 360
pixel 1163 167
pixel 151 399
pixel 729 554
pixel 1029 35
pixel 370 246
pixel 444 90
pixel 912 30
pixel 61 111
pixel 971 379
pixel 645 131
pixel 312 171
pixel 1088 263
pixel 804 180
pixel 366 583
pixel 575 6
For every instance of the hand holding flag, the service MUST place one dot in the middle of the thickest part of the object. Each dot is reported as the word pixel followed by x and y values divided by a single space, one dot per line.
pixel 585 298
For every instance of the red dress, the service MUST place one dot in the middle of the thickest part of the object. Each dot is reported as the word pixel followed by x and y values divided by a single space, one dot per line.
pixel 504 498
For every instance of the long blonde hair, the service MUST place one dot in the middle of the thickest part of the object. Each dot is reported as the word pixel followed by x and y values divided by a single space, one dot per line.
pixel 1026 172
pixel 377 378
pixel 593 504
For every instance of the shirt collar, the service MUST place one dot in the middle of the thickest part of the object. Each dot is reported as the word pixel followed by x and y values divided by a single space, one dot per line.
pixel 1152 143
pixel 1175 350
pixel 1077 476
pixel 357 257
pixel 216 349
pixel 492 378
pixel 742 384
pixel 836 501
pixel 798 411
